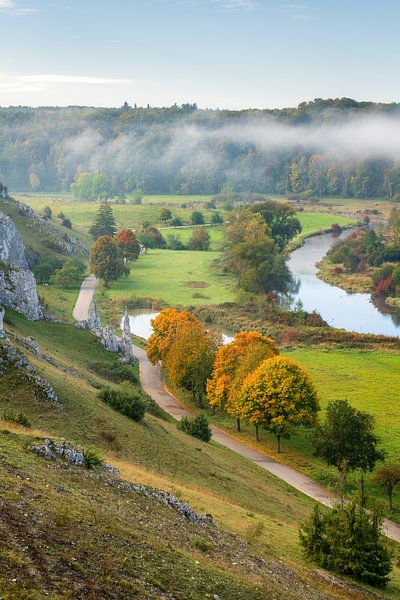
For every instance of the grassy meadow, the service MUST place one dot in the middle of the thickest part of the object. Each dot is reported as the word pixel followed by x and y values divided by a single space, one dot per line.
pixel 178 277
pixel 242 498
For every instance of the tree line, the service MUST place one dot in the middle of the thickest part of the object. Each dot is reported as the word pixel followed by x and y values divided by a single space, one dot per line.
pixel 130 148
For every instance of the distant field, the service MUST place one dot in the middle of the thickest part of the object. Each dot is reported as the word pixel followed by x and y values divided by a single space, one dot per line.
pixel 314 221
pixel 184 234
pixel 177 277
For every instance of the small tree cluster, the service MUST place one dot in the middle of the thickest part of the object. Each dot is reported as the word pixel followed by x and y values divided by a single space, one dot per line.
pixel 128 402
pixel 196 426
pixel 348 540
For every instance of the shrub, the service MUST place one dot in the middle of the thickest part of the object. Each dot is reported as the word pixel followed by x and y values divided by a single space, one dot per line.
pixel 115 371
pixel 337 270
pixel 347 540
pixel 196 426
pixel 201 544
pixel 130 404
pixel 92 459
pixel 383 272
pixel 336 229
pixel 384 287
pixel 13 416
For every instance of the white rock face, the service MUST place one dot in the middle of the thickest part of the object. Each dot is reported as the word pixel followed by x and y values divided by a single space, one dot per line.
pixel 17 283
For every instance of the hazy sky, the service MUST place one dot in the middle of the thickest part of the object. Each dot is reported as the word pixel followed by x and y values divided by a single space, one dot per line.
pixel 218 53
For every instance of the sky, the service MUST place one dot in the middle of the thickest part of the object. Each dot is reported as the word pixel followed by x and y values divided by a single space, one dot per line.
pixel 218 53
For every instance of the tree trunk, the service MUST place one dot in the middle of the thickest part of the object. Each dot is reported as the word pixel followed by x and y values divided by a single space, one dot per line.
pixel 257 433
pixel 214 410
pixel 390 503
pixel 238 425
pixel 362 490
pixel 278 444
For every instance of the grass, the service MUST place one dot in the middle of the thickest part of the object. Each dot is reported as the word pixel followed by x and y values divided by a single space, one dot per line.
pixel 177 277
pixel 369 380
pixel 312 222
pixel 210 477
pixel 185 233
pixel 59 301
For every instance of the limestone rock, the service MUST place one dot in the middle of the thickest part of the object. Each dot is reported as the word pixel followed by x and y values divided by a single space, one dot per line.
pixel 17 283
pixel 108 338
pixel 94 323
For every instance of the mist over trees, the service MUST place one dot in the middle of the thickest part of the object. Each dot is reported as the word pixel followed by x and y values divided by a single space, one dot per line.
pixel 324 147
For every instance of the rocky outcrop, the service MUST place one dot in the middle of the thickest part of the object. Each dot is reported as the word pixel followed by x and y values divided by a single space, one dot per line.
pixel 51 450
pixel 66 243
pixel 126 341
pixel 11 359
pixel 107 335
pixel 17 283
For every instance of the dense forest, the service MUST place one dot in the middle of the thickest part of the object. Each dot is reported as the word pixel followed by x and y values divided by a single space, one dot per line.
pixel 318 148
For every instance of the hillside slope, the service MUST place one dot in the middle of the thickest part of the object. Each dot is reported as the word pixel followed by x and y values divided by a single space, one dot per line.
pixel 111 541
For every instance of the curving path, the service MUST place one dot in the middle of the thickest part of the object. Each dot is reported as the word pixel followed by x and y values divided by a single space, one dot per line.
pixel 151 380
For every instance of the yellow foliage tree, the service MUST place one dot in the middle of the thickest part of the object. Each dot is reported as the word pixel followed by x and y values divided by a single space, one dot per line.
pixel 190 358
pixel 233 362
pixel 280 396
pixel 165 326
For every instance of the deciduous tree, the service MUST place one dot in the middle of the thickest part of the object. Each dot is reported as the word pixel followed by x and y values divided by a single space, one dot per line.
pixel 281 220
pixel 233 362
pixel 388 475
pixel 347 440
pixel 190 358
pixel 280 396
pixel 106 260
pixel 128 243
pixel 165 326
pixel 200 239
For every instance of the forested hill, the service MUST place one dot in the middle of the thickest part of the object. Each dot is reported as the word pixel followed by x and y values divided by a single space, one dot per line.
pixel 324 147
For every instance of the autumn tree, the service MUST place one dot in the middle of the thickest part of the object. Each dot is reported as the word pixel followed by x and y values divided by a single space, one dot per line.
pixel 279 396
pixel 190 358
pixel 233 362
pixel 165 326
pixel 251 254
pixel 200 239
pixel 106 260
pixel 104 224
pixel 388 476
pixel 128 243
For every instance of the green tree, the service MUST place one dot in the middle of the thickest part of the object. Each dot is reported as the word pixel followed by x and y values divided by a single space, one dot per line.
pixel 200 239
pixel 348 540
pixel 281 220
pixel 46 267
pixel 47 213
pixel 151 237
pixel 70 274
pixel 216 218
pixel 91 186
pixel 165 215
pixel 347 440
pixel 104 223
pixel 106 260
pixel 252 255
pixel 388 476
pixel 197 218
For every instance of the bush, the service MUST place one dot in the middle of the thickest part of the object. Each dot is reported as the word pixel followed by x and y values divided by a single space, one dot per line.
pixel 337 270
pixel 196 426
pixel 115 371
pixel 382 273
pixel 129 403
pixel 347 540
pixel 16 417
pixel 92 459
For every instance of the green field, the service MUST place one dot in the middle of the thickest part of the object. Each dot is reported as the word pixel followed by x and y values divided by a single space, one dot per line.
pixel 369 380
pixel 177 277
pixel 184 234
pixel 312 222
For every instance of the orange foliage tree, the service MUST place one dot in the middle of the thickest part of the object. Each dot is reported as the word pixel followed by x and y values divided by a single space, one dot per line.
pixel 280 396
pixel 233 362
pixel 128 242
pixel 165 326
pixel 190 358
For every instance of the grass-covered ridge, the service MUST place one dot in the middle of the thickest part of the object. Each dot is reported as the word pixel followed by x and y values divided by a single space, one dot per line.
pixel 242 498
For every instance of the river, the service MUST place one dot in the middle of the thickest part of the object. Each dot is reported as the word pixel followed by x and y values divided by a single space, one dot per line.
pixel 345 310
pixel 351 311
